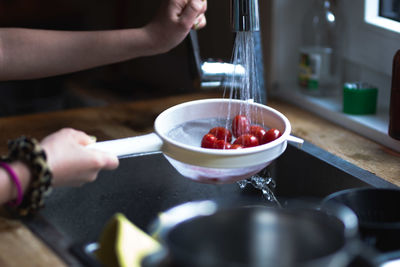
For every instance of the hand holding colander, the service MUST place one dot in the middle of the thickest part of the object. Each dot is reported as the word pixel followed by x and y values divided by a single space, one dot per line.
pixel 202 164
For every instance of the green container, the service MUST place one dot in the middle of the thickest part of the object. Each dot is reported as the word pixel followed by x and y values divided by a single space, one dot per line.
pixel 359 98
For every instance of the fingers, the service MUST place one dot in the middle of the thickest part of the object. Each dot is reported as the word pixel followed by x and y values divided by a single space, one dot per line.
pixel 71 161
pixel 200 22
pixel 104 160
pixel 81 137
pixel 110 162
pixel 204 6
pixel 193 13
pixel 69 133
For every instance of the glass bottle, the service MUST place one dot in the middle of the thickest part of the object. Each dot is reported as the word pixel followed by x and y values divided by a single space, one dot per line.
pixel 320 53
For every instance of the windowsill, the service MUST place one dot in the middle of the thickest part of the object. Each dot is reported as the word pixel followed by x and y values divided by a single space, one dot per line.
pixel 372 17
pixel 374 127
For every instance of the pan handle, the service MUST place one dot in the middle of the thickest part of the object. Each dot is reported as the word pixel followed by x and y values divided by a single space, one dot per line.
pixel 131 146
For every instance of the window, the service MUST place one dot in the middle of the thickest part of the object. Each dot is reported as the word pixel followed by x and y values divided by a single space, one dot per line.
pixel 383 13
pixel 390 9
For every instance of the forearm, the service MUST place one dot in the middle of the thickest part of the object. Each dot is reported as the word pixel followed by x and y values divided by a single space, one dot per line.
pixel 29 54
pixel 8 190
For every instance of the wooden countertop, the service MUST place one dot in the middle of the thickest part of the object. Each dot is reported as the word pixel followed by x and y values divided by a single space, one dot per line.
pixel 19 247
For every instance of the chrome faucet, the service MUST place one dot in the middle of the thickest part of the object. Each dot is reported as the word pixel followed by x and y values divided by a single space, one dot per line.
pixel 245 16
pixel 213 74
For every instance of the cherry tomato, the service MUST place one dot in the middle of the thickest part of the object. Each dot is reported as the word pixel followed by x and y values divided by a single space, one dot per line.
pixel 271 135
pixel 221 133
pixel 222 144
pixel 236 146
pixel 240 125
pixel 247 140
pixel 208 141
pixel 258 132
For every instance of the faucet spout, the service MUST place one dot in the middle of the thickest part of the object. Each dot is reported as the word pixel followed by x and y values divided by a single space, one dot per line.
pixel 244 15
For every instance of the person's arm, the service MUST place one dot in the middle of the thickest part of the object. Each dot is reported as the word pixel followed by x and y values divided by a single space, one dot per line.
pixel 69 160
pixel 30 53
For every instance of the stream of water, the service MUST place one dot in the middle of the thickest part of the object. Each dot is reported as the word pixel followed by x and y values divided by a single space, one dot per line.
pixel 246 86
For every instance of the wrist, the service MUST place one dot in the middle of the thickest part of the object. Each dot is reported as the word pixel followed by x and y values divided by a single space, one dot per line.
pixel 24 175
pixel 26 153
pixel 8 185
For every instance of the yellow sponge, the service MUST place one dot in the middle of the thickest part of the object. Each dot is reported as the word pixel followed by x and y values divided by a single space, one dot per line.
pixel 123 244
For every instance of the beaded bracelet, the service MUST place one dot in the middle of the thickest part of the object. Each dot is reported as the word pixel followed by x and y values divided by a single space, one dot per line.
pixel 28 151
pixel 17 183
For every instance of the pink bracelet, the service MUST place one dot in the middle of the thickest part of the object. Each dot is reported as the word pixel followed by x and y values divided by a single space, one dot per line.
pixel 17 183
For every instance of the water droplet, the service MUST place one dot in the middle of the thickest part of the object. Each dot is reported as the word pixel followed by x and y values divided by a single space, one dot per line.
pixel 265 184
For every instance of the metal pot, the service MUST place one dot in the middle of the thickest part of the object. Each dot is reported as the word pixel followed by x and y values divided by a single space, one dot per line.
pixel 205 234
pixel 378 214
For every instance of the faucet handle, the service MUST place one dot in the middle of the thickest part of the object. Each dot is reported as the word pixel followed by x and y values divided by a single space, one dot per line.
pixel 214 73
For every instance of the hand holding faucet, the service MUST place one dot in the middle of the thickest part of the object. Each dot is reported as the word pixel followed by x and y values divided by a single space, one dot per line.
pixel 174 21
pixel 35 53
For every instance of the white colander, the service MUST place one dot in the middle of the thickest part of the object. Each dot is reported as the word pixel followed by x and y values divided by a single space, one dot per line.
pixel 202 164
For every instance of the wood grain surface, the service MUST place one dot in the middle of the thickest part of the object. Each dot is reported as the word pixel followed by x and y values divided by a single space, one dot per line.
pixel 19 247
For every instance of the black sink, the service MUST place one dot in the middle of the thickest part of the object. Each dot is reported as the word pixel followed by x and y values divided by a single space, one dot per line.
pixel 144 186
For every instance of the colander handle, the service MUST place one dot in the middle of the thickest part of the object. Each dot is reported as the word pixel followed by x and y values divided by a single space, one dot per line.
pixel 295 140
pixel 131 146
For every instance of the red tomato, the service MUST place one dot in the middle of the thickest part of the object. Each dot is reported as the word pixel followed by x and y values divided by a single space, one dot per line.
pixel 271 135
pixel 236 146
pixel 222 144
pixel 258 132
pixel 240 125
pixel 221 133
pixel 247 140
pixel 208 141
